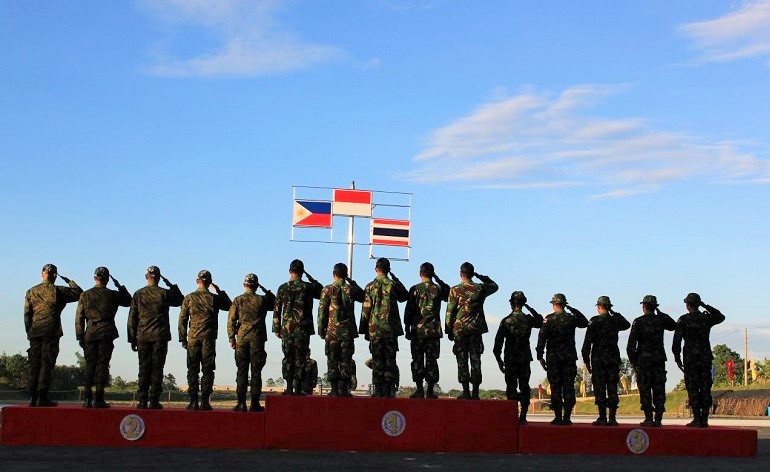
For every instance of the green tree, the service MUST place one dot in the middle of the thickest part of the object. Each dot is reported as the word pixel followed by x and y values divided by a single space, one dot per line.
pixel 169 383
pixel 722 354
pixel 119 384
pixel 15 371
pixel 280 382
pixel 270 382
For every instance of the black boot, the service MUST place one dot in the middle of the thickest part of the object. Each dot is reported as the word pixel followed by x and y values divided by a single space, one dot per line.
pixel 100 403
pixel 475 392
pixel 205 404
pixel 647 423
pixel 241 402
pixel 289 388
pixel 44 401
pixel 88 398
pixel 255 406
pixel 466 395
pixel 193 405
pixel 33 396
pixel 155 404
pixel 696 421
pixel 602 419
pixel 567 414
pixel 704 418
pixel 523 414
pixel 343 387
pixel 335 389
pixel 557 418
pixel 377 393
pixel 298 388
pixel 418 391
pixel 612 420
pixel 430 394
pixel 658 422
pixel 142 403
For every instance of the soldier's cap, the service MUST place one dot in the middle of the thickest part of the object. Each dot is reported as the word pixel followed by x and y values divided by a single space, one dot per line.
pixel 650 299
pixel 559 299
pixel 692 299
pixel 251 280
pixel 518 297
pixel 153 271
pixel 204 275
pixel 297 266
pixel 467 268
pixel 604 301
pixel 102 273
pixel 50 268
pixel 427 269
pixel 383 264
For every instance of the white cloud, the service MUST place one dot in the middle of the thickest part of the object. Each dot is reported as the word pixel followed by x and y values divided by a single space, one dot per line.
pixel 740 34
pixel 245 39
pixel 533 141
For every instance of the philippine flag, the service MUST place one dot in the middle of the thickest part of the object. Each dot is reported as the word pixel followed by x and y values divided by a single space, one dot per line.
pixel 352 202
pixel 312 214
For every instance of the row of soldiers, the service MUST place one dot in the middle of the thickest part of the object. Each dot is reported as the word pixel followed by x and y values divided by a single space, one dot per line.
pixel 380 324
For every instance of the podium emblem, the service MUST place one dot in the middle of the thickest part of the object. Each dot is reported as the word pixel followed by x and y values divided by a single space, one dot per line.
pixel 393 423
pixel 132 427
pixel 638 441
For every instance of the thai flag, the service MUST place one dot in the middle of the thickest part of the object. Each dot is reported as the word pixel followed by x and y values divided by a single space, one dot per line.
pixel 390 232
pixel 312 214
pixel 352 202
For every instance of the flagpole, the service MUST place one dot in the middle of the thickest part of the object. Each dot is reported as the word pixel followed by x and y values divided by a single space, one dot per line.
pixel 350 238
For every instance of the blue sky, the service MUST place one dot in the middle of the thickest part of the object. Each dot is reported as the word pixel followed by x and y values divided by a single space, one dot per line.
pixel 590 148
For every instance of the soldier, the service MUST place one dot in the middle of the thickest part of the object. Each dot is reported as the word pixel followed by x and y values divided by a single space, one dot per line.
pixel 648 357
pixel 465 323
pixel 309 375
pixel 422 323
pixel 381 326
pixel 558 337
pixel 337 325
pixel 43 305
pixel 515 330
pixel 293 323
pixel 200 310
pixel 149 333
pixel 602 358
pixel 96 332
pixel 694 328
pixel 247 332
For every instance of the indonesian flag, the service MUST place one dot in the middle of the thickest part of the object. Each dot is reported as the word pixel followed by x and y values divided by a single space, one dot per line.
pixel 312 214
pixel 390 232
pixel 352 202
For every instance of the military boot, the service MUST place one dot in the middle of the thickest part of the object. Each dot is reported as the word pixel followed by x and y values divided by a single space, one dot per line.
pixel 33 398
pixel 523 414
pixel 298 388
pixel 418 391
pixel 647 423
pixel 567 414
pixel 377 393
pixel 557 419
pixel 100 403
pixel 335 390
pixel 466 395
pixel 475 392
pixel 255 406
pixel 430 394
pixel 193 405
pixel 704 418
pixel 241 402
pixel 44 401
pixel 343 386
pixel 289 388
pixel 612 420
pixel 155 404
pixel 658 419
pixel 695 423
pixel 88 398
pixel 205 402
pixel 602 419
pixel 142 404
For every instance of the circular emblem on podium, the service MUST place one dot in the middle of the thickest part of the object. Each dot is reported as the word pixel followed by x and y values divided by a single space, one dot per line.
pixel 637 441
pixel 393 423
pixel 132 427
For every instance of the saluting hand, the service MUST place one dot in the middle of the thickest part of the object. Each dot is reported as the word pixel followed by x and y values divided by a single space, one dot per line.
pixel 166 281
pixel 65 279
pixel 115 281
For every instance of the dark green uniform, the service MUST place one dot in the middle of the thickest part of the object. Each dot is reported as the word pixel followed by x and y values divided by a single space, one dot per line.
pixel 95 329
pixel 337 325
pixel 309 376
pixel 602 356
pixel 200 309
pixel 422 323
pixel 43 305
pixel 514 332
pixel 246 328
pixel 149 332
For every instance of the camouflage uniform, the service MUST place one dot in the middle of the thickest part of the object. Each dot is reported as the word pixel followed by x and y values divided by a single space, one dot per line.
pixel 43 305
pixel 247 331
pixel 694 328
pixel 95 329
pixel 557 336
pixel 515 331
pixel 337 325
pixel 309 376
pixel 293 321
pixel 648 357
pixel 381 325
pixel 149 332
pixel 422 323
pixel 465 323
pixel 200 310
pixel 602 357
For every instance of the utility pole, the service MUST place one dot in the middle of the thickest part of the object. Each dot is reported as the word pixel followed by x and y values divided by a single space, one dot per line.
pixel 745 356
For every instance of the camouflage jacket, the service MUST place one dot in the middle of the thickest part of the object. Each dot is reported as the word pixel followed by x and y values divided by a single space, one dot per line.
pixel 43 305
pixel 465 309
pixel 557 335
pixel 95 314
pixel 336 315
pixel 422 315
pixel 246 320
pixel 515 330
pixel 201 310
pixel 294 307
pixel 600 345
pixel 645 342
pixel 694 329
pixel 379 315
pixel 148 315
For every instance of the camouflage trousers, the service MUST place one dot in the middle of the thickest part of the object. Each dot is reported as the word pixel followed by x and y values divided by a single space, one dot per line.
pixel 249 354
pixel 98 355
pixel 152 359
pixel 468 347
pixel 651 379
pixel 561 376
pixel 517 381
pixel 425 354
pixel 605 380
pixel 339 357
pixel 295 348
pixel 42 354
pixel 383 360
pixel 697 380
pixel 201 355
